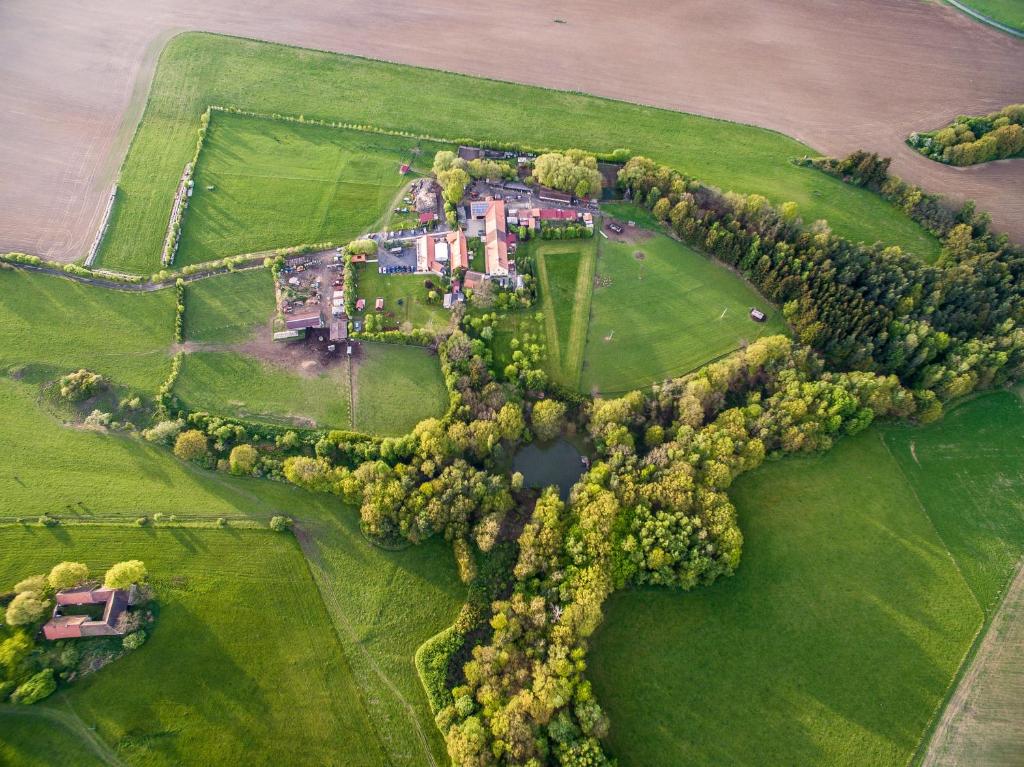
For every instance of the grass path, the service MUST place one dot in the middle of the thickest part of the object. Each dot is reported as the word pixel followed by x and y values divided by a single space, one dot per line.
pixel 548 305
pixel 401 737
pixel 71 723
pixel 573 362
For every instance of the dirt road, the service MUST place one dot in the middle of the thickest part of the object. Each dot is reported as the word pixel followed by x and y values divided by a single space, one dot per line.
pixel 837 74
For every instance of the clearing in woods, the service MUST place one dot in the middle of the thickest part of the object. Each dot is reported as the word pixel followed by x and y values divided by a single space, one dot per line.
pixel 263 183
pixel 660 309
pixel 565 273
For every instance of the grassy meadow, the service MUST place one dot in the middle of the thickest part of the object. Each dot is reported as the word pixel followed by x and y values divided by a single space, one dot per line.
pixel 198 69
pixel 396 387
pixel 660 309
pixel 229 308
pixel 849 616
pixel 239 385
pixel 61 326
pixel 565 275
pixel 262 184
pixel 242 651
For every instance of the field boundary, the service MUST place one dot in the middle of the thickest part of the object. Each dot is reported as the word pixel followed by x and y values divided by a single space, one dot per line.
pixel 969 671
pixel 986 19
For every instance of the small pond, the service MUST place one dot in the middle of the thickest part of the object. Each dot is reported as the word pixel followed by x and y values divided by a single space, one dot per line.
pixel 553 463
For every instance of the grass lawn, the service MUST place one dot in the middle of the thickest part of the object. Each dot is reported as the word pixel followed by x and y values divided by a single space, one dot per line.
pixel 280 183
pixel 85 475
pixel 664 314
pixel 243 652
pixel 64 326
pixel 834 643
pixel 395 388
pixel 414 311
pixel 230 307
pixel 565 272
pixel 198 69
pixel 236 384
pixel 968 471
pixel 1008 12
pixel 30 738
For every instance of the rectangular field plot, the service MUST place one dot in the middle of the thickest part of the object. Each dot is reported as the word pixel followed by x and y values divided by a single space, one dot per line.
pixel 660 309
pixel 405 298
pixel 396 387
pixel 242 657
pixel 833 644
pixel 230 307
pixel 278 183
pixel 235 384
pixel 565 275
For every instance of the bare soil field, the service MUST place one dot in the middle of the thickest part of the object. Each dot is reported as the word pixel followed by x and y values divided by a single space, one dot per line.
pixel 836 74
pixel 983 725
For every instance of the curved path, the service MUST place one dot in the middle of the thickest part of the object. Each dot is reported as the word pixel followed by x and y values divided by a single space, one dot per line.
pixel 837 74
pixel 72 723
pixel 986 19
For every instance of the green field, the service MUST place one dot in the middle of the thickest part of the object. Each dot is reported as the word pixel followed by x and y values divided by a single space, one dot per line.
pixel 847 620
pixel 198 69
pixel 62 325
pixel 238 385
pixel 664 314
pixel 279 183
pixel 395 388
pixel 382 604
pixel 414 311
pixel 229 308
pixel 565 275
pixel 242 651
pixel 37 737
pixel 1008 12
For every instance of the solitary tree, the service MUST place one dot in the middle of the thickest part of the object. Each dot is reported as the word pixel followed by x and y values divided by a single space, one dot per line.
pixel 243 459
pixel 547 419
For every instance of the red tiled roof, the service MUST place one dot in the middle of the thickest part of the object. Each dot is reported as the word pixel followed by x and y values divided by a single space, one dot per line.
pixel 495 238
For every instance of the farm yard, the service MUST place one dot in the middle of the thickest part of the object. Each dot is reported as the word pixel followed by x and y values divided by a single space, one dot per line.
pixel 792 417
pixel 703 312
pixel 849 617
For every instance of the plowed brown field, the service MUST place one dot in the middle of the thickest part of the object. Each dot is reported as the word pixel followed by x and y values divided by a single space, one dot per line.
pixel 836 74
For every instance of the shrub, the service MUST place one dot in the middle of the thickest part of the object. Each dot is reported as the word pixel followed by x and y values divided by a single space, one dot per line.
pixel 124 574
pixel 243 459
pixel 280 524
pixel 432 658
pixel 97 419
pixel 35 583
pixel 26 608
pixel 134 640
pixel 221 522
pixel 79 385
pixel 67 574
pixel 190 445
pixel 164 431
pixel 142 521
pixel 45 520
pixel 37 687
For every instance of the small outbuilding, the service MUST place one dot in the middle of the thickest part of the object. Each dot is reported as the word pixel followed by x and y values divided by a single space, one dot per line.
pixel 360 304
pixel 757 315
pixel 379 304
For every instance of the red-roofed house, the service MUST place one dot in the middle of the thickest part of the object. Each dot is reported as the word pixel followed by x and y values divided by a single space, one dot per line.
pixel 495 240
pixel 427 217
pixel 404 169
pixel 114 601
pixel 437 252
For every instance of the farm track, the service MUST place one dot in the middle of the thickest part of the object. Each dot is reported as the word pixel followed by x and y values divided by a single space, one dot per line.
pixel 548 305
pixel 580 316
pixel 72 84
pixel 72 723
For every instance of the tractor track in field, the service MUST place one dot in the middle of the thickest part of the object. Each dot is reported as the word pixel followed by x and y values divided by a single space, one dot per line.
pixel 70 721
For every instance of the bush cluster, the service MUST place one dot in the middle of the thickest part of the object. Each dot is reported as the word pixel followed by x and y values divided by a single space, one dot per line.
pixel 973 139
